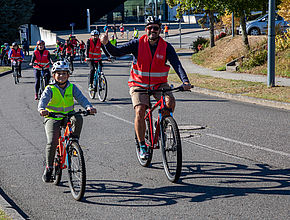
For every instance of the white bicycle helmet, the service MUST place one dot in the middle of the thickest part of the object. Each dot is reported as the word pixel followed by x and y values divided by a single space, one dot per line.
pixel 60 66
pixel 95 32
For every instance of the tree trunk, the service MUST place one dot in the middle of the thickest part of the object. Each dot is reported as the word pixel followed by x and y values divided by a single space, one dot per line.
pixel 211 27
pixel 244 31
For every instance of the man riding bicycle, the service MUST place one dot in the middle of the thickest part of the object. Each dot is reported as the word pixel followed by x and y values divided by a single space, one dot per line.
pixel 40 57
pixel 149 70
pixel 59 98
pixel 94 55
pixel 15 53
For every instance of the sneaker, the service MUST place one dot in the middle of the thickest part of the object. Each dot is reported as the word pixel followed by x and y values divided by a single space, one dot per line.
pixel 143 152
pixel 91 87
pixel 46 177
pixel 36 97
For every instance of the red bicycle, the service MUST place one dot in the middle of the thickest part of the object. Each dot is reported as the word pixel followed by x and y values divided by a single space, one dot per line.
pixel 165 130
pixel 70 155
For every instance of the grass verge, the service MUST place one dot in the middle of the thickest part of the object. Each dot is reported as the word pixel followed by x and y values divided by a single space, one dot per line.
pixel 3 216
pixel 241 87
pixel 4 68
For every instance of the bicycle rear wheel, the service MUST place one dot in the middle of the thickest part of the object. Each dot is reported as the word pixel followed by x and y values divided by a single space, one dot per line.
pixel 145 162
pixel 41 87
pixel 76 171
pixel 15 76
pixel 171 149
pixel 102 87
pixel 57 171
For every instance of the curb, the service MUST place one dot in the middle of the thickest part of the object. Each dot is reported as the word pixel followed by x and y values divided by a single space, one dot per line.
pixel 248 99
pixel 240 98
pixel 10 208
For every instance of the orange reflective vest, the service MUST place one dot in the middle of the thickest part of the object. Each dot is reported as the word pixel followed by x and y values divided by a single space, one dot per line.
pixel 95 50
pixel 41 61
pixel 149 72
pixel 16 54
pixel 68 50
pixel 82 46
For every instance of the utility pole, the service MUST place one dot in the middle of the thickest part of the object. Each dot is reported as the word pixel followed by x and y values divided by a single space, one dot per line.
pixel 179 32
pixel 88 21
pixel 233 25
pixel 156 16
pixel 271 44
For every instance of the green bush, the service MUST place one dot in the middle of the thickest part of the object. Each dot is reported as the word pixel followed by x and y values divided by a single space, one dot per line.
pixel 200 41
pixel 256 58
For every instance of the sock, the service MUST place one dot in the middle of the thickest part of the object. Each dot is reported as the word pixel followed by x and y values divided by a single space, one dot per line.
pixel 142 143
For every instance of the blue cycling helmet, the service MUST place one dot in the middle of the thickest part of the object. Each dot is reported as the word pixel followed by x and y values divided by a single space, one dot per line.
pixel 95 32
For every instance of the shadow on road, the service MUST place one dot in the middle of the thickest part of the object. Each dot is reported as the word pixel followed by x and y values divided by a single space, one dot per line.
pixel 215 180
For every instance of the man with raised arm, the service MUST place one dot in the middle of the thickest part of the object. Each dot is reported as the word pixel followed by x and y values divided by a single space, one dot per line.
pixel 149 70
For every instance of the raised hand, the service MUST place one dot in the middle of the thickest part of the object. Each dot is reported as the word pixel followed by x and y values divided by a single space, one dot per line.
pixel 104 38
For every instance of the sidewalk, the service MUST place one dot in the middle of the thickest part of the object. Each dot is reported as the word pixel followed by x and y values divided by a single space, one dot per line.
pixel 185 58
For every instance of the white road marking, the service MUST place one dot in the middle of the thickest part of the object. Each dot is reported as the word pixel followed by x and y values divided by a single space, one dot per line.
pixel 249 145
pixel 216 136
pixel 121 119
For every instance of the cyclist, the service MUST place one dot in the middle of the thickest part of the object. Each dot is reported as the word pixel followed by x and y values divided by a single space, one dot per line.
pixel 74 42
pixel 149 70
pixel 40 57
pixel 59 98
pixel 15 53
pixel 67 51
pixel 4 53
pixel 82 48
pixel 58 49
pixel 94 56
pixel 113 41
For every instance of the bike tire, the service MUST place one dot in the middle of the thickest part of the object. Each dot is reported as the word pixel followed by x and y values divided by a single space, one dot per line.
pixel 57 171
pixel 145 162
pixel 102 88
pixel 15 76
pixel 76 171
pixel 41 87
pixel 171 148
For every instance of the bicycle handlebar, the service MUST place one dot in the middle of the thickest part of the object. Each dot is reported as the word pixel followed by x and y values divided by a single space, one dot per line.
pixel 70 114
pixel 179 88
pixel 35 64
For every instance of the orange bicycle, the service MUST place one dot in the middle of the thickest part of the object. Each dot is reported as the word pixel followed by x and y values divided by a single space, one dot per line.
pixel 70 155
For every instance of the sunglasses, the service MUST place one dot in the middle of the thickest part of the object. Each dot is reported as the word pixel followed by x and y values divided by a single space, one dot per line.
pixel 154 28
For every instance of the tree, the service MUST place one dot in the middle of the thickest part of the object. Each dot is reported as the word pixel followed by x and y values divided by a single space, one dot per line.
pixel 284 10
pixel 207 6
pixel 13 13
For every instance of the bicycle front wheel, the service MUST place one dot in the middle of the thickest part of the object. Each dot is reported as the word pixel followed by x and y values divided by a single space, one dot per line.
pixel 15 76
pixel 102 88
pixel 57 171
pixel 76 171
pixel 171 149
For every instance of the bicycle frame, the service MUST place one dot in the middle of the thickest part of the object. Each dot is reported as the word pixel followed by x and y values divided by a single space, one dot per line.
pixel 63 143
pixel 96 75
pixel 155 136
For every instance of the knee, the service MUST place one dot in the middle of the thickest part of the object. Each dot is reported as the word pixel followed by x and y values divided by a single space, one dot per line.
pixel 170 102
pixel 140 111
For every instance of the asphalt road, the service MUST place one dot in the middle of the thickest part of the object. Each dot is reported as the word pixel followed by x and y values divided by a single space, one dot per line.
pixel 235 168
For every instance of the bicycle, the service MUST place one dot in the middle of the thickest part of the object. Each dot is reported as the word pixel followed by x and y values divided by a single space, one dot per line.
pixel 15 66
pixel 167 131
pixel 43 77
pixel 99 85
pixel 69 155
pixel 82 56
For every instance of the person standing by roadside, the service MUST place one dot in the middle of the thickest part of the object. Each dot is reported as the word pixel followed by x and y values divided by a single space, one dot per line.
pixel 166 28
pixel 135 33
pixel 25 45
pixel 122 30
pixel 114 28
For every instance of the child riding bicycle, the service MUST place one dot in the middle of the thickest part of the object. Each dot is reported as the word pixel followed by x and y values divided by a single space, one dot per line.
pixel 59 98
